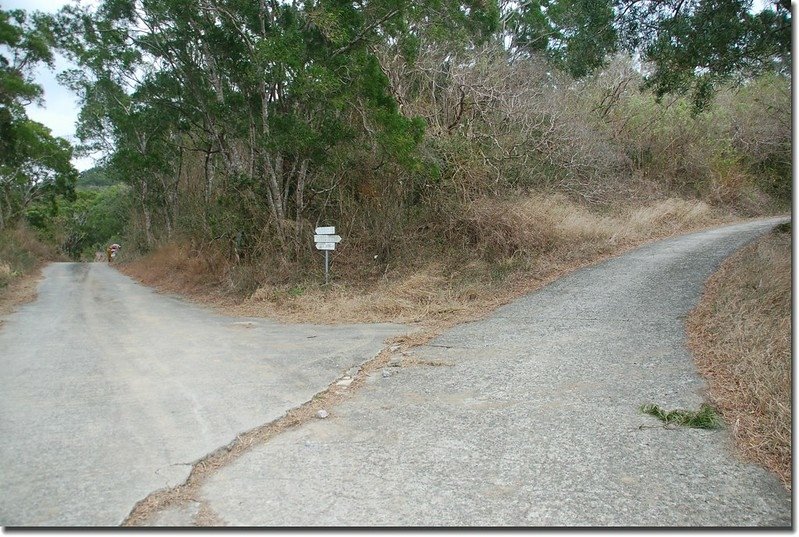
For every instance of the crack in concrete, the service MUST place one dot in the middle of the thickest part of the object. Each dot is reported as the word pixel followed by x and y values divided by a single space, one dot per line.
pixel 188 491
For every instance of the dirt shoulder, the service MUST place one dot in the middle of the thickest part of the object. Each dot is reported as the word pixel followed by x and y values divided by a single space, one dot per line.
pixel 21 290
pixel 740 334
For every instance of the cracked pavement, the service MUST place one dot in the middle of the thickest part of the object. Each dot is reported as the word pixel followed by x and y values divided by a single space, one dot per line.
pixel 111 391
pixel 528 417
pixel 536 422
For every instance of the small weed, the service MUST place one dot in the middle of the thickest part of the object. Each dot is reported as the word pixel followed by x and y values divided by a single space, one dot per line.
pixel 704 418
pixel 297 290
pixel 505 267
pixel 785 227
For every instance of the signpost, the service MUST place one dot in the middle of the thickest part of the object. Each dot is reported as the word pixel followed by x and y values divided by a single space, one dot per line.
pixel 326 239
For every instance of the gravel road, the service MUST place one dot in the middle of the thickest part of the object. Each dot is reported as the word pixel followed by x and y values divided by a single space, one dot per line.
pixel 110 391
pixel 529 417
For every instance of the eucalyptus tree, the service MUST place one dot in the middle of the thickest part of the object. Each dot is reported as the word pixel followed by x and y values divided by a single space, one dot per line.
pixel 576 35
pixel 264 90
pixel 33 163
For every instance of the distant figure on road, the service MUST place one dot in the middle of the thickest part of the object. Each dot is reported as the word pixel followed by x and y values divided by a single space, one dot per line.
pixel 112 250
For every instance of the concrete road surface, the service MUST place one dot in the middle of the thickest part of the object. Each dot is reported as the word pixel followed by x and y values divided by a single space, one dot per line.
pixel 529 417
pixel 110 391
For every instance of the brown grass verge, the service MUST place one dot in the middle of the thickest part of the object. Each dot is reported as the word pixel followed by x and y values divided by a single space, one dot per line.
pixel 21 290
pixel 740 334
pixel 22 256
pixel 514 247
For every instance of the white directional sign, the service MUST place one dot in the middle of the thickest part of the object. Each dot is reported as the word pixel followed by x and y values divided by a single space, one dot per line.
pixel 326 238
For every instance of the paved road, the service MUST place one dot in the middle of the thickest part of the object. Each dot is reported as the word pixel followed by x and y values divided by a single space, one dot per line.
pixel 534 422
pixel 110 391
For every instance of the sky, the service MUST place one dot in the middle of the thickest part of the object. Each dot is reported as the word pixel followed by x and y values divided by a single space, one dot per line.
pixel 61 107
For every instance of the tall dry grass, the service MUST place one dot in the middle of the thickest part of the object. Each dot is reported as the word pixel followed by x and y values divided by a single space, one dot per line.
pixel 741 337
pixel 21 252
pixel 21 256
pixel 498 250
pixel 177 267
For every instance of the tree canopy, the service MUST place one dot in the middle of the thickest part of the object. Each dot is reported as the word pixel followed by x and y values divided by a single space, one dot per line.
pixel 244 116
pixel 33 163
pixel 697 45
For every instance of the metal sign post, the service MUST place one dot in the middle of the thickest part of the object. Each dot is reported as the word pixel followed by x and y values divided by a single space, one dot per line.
pixel 326 239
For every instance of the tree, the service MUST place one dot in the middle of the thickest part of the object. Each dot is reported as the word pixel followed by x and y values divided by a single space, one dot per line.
pixel 695 46
pixel 262 91
pixel 33 163
pixel 577 35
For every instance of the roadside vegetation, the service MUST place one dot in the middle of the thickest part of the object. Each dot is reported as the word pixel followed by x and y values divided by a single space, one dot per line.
pixel 22 254
pixel 704 418
pixel 741 337
pixel 464 150
pixel 516 246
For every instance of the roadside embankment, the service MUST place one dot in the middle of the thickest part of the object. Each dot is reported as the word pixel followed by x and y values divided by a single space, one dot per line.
pixel 499 249
pixel 740 334
pixel 21 257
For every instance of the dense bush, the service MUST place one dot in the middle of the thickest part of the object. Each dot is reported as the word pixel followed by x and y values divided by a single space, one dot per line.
pixel 20 252
pixel 97 217
pixel 493 128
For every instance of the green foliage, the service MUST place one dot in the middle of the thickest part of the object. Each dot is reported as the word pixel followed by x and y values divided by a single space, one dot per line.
pixel 696 46
pixel 785 227
pixel 266 92
pixel 576 34
pixel 33 163
pixel 242 125
pixel 704 418
pixel 95 177
pixel 86 224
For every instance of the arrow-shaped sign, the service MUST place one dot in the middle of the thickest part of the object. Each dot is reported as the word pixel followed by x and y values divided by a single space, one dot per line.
pixel 326 238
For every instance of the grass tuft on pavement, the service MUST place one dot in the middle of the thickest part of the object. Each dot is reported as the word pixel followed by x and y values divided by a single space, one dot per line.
pixel 704 418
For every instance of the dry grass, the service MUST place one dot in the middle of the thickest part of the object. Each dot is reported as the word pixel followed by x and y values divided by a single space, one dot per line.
pixel 741 336
pixel 497 251
pixel 509 248
pixel 21 252
pixel 21 290
pixel 672 215
pixel 177 268
pixel 21 258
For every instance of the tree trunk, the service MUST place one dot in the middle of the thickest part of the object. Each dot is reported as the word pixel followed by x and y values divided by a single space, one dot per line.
pixel 209 177
pixel 300 202
pixel 148 224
